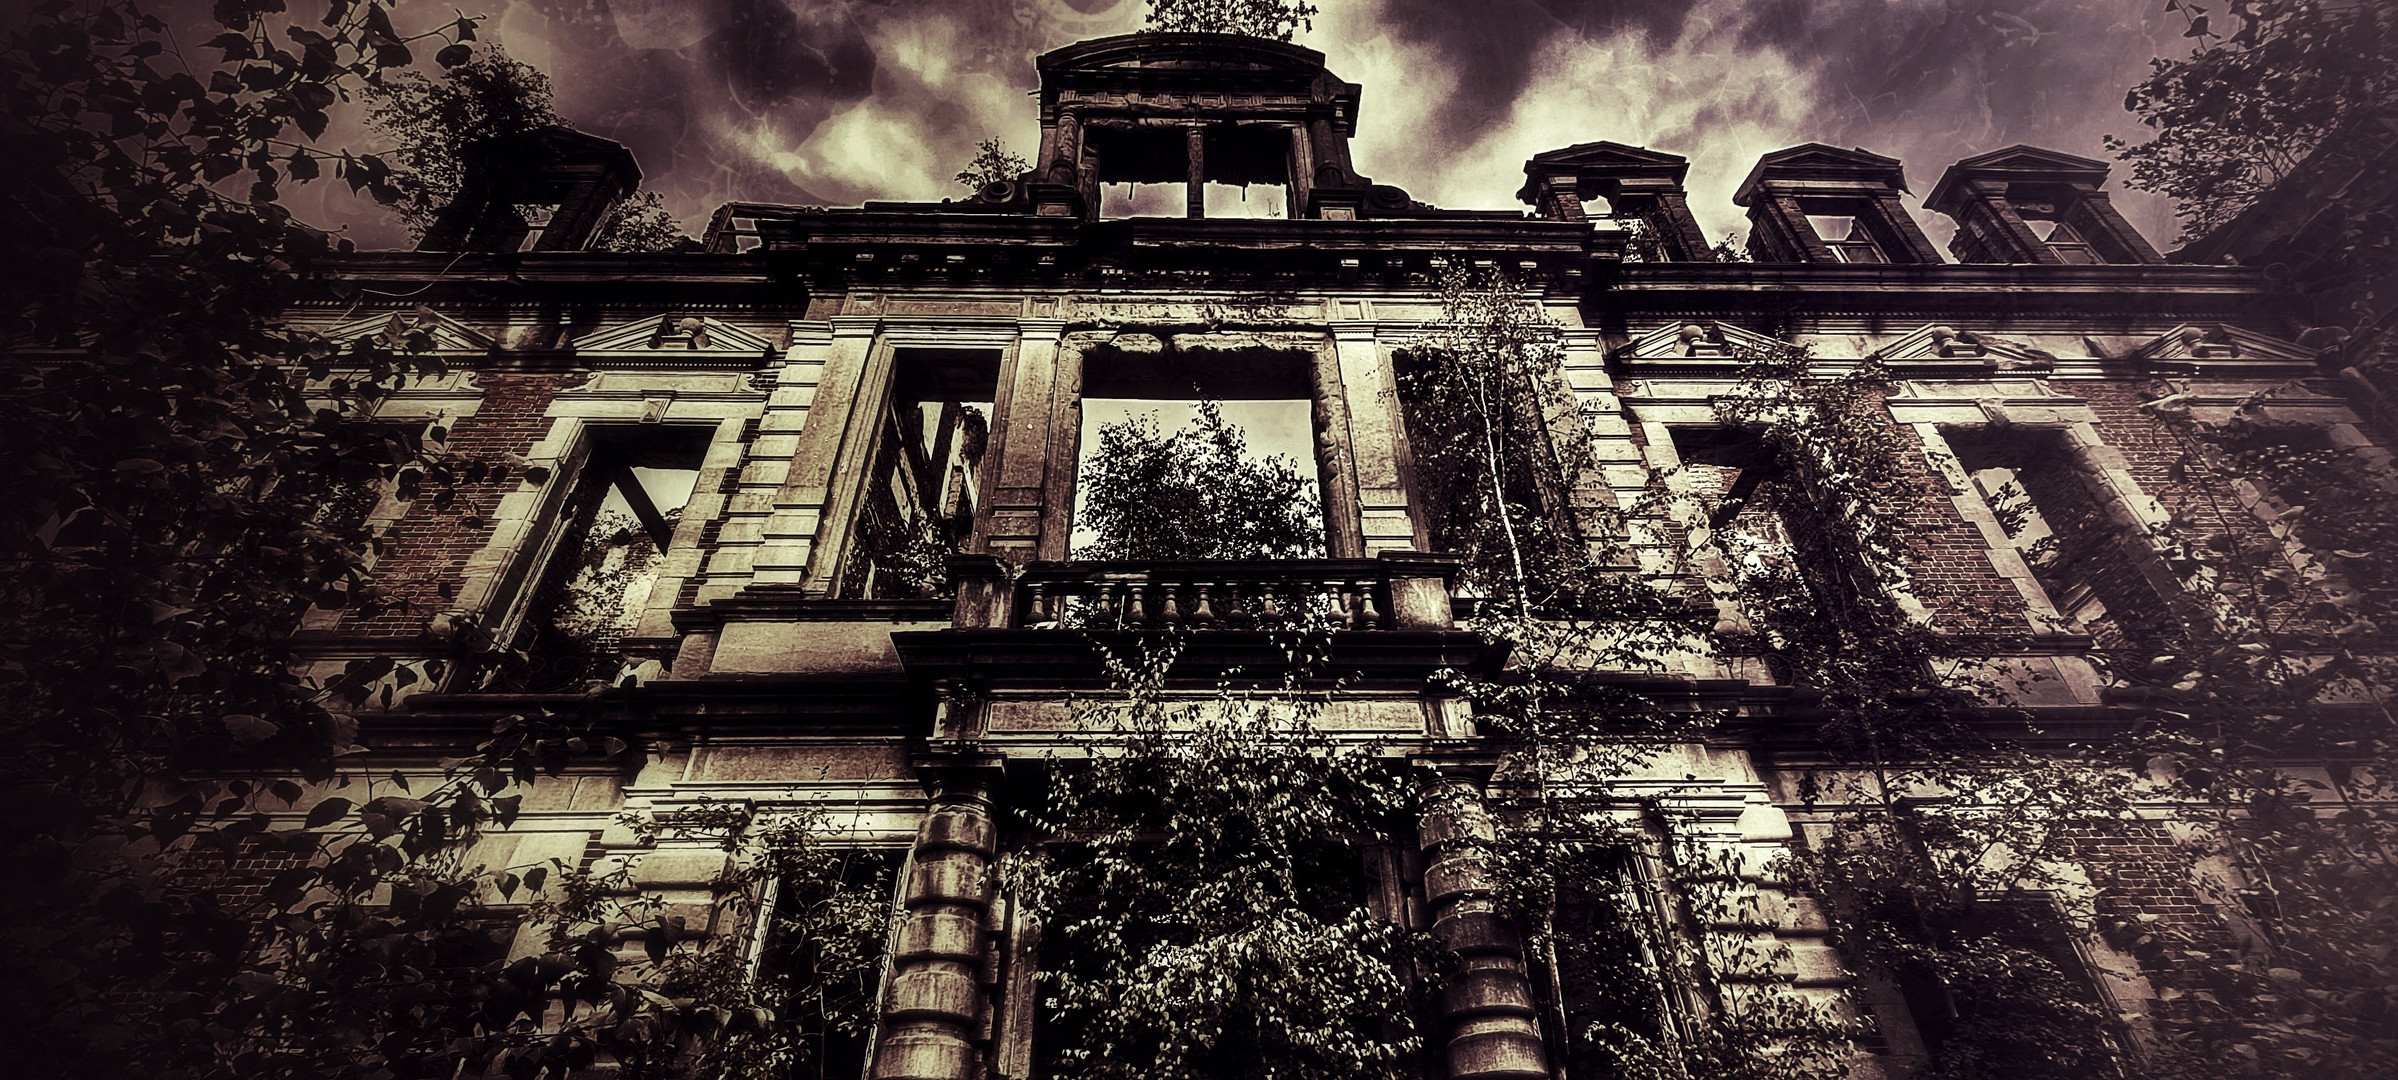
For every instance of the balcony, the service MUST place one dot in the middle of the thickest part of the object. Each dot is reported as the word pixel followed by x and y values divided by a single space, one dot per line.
pixel 1386 617
pixel 1331 594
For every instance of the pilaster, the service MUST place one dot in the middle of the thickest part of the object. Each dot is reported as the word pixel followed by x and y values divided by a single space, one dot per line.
pixel 1377 440
pixel 1023 518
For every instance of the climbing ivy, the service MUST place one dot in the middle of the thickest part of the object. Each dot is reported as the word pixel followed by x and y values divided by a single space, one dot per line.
pixel 1205 886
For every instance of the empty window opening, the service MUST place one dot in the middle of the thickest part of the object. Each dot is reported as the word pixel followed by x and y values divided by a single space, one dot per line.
pixel 2025 968
pixel 536 217
pixel 919 508
pixel 1099 931
pixel 2079 555
pixel 1449 437
pixel 1740 480
pixel 1142 200
pixel 2067 243
pixel 824 956
pixel 1607 956
pixel 616 531
pixel 1203 479
pixel 1247 200
pixel 1846 238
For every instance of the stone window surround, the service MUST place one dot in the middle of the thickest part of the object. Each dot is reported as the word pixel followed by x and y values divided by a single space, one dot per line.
pixel 497 581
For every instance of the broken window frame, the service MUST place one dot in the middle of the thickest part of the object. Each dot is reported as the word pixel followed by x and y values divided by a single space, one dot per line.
pixel 547 656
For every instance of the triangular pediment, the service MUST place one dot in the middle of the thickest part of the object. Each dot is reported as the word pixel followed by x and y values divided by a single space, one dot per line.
pixel 1949 345
pixel 674 333
pixel 2217 343
pixel 1700 341
pixel 2022 156
pixel 1811 154
pixel 1819 162
pixel 1605 155
pixel 399 329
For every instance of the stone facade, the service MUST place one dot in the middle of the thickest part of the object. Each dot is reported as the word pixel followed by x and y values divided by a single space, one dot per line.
pixel 798 388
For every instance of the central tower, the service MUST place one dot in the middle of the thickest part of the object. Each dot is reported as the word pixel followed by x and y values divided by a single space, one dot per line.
pixel 1194 109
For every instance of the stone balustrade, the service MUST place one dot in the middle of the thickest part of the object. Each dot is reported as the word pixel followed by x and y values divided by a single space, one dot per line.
pixel 1398 591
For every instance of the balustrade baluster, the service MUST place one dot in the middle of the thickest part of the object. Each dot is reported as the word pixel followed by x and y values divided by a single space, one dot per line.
pixel 1370 614
pixel 1170 610
pixel 1203 613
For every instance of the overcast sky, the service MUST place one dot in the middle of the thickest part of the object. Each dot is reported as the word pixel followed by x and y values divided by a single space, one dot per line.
pixel 837 101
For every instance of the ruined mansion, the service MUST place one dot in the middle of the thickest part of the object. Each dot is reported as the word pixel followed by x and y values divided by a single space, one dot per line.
pixel 797 506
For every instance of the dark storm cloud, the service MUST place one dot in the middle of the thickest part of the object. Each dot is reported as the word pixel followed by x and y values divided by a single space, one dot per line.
pixel 840 101
pixel 1929 81
pixel 768 56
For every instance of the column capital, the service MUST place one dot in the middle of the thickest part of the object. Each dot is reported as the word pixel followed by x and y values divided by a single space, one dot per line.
pixel 856 325
pixel 811 332
pixel 1039 329
pixel 1354 329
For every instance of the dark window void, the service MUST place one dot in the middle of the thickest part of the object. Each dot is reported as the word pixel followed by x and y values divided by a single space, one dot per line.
pixel 1994 971
pixel 616 530
pixel 1846 238
pixel 1172 483
pixel 2068 244
pixel 1599 975
pixel 1449 439
pixel 919 507
pixel 1741 481
pixel 1094 933
pixel 824 958
pixel 2080 555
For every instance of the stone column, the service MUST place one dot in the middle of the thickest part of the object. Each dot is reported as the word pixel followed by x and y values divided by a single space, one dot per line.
pixel 1302 172
pixel 1898 233
pixel 1675 226
pixel 1560 198
pixel 2003 229
pixel 1783 228
pixel 934 1020
pixel 1194 159
pixel 1493 1030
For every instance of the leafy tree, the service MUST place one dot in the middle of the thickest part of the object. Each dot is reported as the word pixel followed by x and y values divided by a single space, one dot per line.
pixel 1196 494
pixel 641 223
pixel 431 121
pixel 482 95
pixel 1499 449
pixel 1275 19
pixel 2247 107
pixel 1204 892
pixel 993 163
pixel 208 883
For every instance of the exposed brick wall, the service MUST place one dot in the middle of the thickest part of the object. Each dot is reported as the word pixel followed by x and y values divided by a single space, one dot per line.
pixel 2140 871
pixel 425 552
pixel 1950 559
pixel 2159 462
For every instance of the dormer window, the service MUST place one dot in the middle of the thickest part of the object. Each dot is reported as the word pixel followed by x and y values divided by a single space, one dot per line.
pixel 537 219
pixel 1847 241
pixel 2068 244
